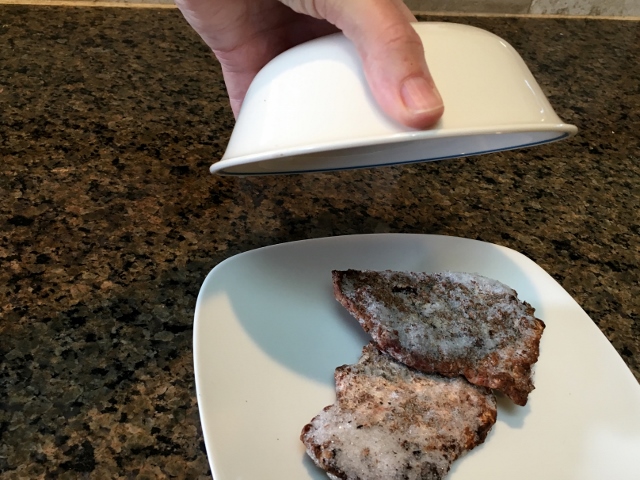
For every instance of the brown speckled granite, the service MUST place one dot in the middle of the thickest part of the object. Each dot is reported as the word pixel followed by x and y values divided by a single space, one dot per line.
pixel 109 220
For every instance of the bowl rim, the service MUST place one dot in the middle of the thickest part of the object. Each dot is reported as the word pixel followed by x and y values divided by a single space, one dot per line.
pixel 221 167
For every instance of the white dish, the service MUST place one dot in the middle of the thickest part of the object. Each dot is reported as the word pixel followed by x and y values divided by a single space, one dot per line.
pixel 268 335
pixel 310 108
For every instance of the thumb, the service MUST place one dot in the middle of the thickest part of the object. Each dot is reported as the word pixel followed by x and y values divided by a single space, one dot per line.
pixel 391 51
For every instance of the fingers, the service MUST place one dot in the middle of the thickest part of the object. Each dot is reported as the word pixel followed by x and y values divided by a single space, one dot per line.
pixel 391 51
pixel 246 34
pixel 241 63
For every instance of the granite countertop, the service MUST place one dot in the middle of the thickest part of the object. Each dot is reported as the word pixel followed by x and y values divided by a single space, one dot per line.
pixel 109 119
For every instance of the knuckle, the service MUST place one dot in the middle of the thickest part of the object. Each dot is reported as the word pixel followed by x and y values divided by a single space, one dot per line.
pixel 400 36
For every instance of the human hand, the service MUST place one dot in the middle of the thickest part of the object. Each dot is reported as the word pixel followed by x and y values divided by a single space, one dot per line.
pixel 246 34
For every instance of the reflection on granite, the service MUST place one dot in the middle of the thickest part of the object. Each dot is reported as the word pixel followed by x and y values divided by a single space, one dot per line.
pixel 110 220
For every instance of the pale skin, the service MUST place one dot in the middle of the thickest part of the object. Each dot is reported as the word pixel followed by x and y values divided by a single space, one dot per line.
pixel 246 34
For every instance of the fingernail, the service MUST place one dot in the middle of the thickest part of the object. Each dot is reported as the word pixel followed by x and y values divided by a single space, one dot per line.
pixel 420 96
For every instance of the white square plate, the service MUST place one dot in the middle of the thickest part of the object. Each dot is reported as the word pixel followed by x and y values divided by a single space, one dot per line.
pixel 268 335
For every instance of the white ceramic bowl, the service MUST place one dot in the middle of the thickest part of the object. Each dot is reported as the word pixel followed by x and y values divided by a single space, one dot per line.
pixel 310 108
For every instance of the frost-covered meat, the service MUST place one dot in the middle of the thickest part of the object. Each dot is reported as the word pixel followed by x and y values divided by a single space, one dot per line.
pixel 391 422
pixel 448 323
